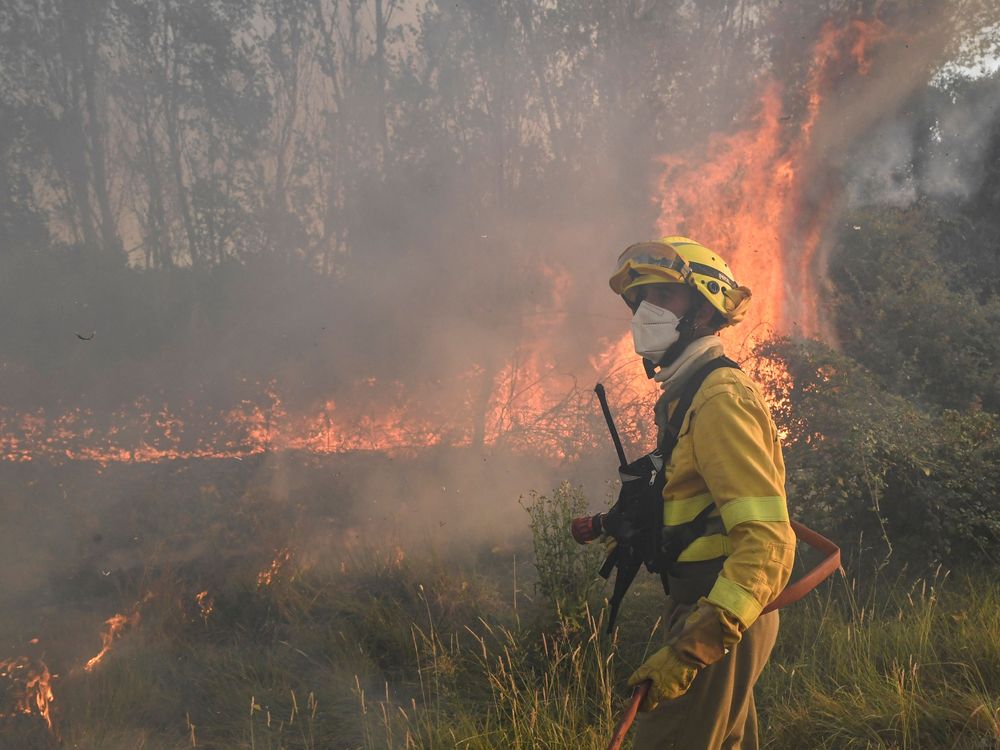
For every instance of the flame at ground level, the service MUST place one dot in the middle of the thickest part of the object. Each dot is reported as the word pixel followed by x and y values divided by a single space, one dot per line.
pixel 547 415
pixel 27 689
pixel 533 408
pixel 115 627
pixel 745 194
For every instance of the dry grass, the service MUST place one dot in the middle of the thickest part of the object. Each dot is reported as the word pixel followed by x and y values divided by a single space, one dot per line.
pixel 391 648
pixel 403 654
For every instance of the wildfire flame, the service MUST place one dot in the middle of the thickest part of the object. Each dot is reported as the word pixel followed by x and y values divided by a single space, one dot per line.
pixel 750 195
pixel 281 558
pixel 29 688
pixel 115 628
pixel 206 604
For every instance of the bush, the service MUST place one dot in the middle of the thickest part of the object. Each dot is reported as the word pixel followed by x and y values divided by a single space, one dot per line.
pixel 865 464
pixel 917 304
pixel 566 570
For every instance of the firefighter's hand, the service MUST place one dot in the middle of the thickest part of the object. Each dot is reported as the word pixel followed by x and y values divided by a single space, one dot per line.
pixel 671 677
pixel 586 528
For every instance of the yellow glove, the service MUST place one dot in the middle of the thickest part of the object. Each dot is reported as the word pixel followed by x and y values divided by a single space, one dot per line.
pixel 670 675
pixel 709 632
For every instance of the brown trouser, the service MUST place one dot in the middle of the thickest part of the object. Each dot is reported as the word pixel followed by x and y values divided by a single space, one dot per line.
pixel 718 711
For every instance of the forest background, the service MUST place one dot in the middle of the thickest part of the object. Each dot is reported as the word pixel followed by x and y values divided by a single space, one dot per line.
pixel 309 201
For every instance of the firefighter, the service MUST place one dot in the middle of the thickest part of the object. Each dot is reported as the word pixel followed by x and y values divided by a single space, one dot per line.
pixel 727 454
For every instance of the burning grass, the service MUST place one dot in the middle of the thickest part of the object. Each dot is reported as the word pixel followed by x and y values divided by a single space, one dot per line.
pixel 27 689
pixel 764 195
pixel 397 644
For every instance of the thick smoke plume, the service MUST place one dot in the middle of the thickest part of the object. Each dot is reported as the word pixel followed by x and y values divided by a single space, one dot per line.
pixel 397 237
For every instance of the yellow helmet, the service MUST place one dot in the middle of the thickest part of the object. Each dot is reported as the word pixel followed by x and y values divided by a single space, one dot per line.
pixel 679 260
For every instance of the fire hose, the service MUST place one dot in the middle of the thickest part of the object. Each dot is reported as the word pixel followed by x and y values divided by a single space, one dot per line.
pixel 791 593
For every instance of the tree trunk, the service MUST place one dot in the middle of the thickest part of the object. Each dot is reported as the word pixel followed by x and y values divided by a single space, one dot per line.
pixel 156 224
pixel 480 407
pixel 75 166
pixel 383 130
pixel 112 244
pixel 176 158
pixel 524 11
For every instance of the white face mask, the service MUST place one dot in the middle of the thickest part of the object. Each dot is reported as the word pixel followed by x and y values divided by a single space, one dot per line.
pixel 654 330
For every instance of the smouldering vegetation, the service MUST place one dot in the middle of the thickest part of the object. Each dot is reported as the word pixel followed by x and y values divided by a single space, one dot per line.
pixel 389 648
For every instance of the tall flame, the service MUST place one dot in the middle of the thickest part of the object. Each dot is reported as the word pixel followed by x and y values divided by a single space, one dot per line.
pixel 754 195
pixel 748 195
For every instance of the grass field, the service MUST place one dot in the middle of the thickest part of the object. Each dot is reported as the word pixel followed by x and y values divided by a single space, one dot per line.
pixel 385 645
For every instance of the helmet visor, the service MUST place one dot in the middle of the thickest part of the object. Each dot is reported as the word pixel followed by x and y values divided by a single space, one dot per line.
pixel 663 257
pixel 647 263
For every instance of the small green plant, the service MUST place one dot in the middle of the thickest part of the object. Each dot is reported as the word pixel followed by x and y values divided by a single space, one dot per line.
pixel 566 570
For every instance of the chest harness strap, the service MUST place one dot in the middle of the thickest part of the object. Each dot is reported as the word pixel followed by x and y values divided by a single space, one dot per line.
pixel 635 521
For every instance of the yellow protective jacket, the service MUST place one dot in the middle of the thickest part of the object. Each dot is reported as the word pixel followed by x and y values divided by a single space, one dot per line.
pixel 728 453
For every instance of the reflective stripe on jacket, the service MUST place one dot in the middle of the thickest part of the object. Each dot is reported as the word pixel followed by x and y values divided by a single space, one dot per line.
pixel 728 453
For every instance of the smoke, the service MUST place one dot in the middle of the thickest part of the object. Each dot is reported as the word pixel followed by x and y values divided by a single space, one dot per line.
pixel 439 304
pixel 933 149
pixel 467 246
pixel 884 171
pixel 917 124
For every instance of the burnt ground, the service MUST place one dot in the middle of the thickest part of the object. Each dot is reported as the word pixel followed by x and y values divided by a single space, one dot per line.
pixel 83 541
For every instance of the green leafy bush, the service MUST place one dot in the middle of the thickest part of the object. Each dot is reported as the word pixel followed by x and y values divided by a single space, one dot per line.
pixel 864 463
pixel 566 570
pixel 917 304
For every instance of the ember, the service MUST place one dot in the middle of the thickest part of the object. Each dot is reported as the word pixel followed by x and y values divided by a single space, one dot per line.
pixel 281 558
pixel 206 604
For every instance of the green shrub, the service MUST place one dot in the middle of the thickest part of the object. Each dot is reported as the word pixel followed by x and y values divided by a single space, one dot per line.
pixel 566 570
pixel 916 303
pixel 866 464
